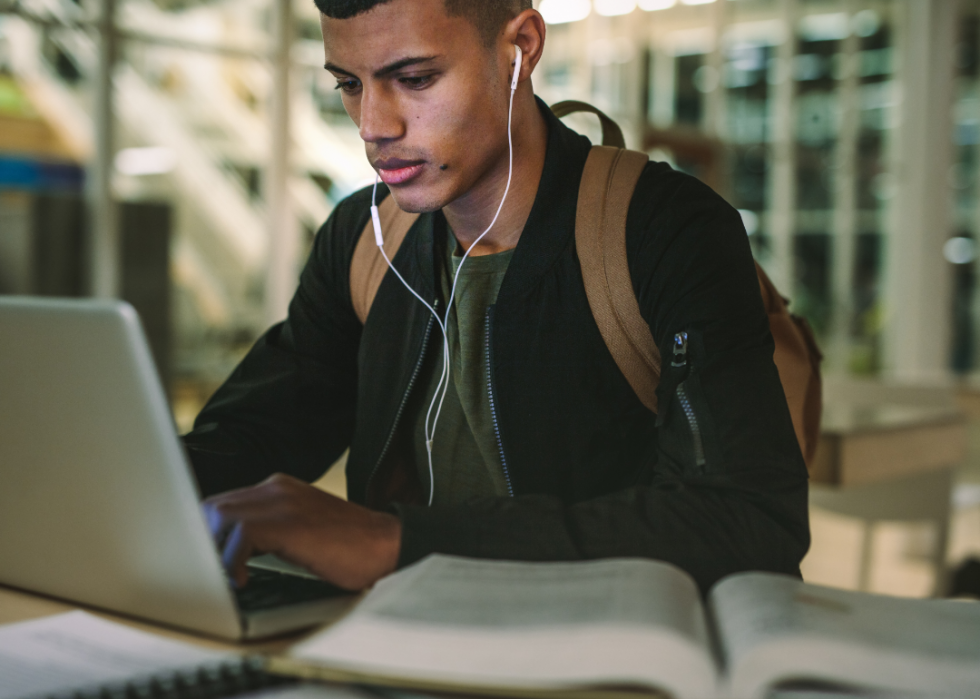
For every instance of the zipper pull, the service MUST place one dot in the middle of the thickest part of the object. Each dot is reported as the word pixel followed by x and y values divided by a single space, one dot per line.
pixel 680 350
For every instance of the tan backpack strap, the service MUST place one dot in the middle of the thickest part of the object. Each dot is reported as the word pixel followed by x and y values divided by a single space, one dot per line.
pixel 368 266
pixel 605 192
pixel 612 135
pixel 797 360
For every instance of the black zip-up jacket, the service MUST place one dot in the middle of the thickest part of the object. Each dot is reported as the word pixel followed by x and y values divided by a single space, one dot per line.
pixel 715 483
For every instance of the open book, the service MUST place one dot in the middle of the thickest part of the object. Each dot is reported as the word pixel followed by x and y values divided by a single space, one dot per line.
pixel 604 628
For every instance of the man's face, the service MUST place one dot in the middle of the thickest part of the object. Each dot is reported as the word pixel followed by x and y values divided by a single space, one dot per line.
pixel 426 95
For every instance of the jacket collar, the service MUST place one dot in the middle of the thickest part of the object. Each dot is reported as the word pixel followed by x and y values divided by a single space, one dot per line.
pixel 551 223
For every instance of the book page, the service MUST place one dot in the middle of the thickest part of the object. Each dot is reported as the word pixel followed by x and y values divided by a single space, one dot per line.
pixel 78 649
pixel 531 625
pixel 776 629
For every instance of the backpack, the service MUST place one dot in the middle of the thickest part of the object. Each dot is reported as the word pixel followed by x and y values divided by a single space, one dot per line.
pixel 610 176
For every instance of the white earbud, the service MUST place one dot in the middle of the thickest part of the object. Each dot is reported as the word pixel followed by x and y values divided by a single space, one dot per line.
pixel 445 377
pixel 376 220
pixel 518 62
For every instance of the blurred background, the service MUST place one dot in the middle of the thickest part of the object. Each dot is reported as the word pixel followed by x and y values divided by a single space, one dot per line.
pixel 181 154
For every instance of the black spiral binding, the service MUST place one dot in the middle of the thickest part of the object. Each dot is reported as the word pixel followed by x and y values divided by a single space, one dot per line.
pixel 210 681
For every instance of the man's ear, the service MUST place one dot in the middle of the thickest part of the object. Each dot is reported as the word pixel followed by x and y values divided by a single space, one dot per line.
pixel 527 30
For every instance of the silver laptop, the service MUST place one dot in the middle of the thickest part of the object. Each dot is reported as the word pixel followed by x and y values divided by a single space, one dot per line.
pixel 97 502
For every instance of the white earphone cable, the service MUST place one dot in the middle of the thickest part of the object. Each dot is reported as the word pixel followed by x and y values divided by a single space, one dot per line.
pixel 430 433
pixel 443 385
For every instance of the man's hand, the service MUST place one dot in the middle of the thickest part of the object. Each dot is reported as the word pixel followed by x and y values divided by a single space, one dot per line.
pixel 343 543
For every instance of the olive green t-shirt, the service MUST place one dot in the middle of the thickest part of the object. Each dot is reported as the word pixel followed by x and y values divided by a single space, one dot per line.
pixel 465 452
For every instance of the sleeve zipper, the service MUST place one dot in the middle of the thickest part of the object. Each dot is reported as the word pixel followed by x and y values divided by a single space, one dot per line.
pixel 692 421
pixel 680 360
pixel 680 350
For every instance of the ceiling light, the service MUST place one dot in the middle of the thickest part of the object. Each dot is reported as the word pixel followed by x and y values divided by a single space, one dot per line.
pixel 561 11
pixel 610 8
pixel 960 251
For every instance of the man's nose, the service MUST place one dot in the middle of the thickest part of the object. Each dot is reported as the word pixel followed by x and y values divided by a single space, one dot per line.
pixel 380 117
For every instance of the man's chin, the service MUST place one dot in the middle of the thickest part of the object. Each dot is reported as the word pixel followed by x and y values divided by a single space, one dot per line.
pixel 416 203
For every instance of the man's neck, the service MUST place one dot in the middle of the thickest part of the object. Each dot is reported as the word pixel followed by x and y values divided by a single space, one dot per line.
pixel 470 215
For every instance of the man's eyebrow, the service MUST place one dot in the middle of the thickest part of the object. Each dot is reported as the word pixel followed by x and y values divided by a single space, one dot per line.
pixel 386 70
pixel 337 69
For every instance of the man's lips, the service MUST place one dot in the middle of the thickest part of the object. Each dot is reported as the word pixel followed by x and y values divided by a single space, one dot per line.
pixel 396 171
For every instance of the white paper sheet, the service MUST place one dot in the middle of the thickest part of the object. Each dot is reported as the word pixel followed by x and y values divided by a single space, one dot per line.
pixel 78 649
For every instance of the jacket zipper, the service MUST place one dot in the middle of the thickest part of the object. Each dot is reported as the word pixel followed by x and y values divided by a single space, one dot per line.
pixel 493 409
pixel 680 360
pixel 401 407
pixel 692 420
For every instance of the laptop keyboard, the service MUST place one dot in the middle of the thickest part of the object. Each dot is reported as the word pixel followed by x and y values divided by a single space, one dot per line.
pixel 267 589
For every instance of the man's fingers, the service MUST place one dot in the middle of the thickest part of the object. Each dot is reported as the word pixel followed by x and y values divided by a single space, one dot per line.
pixel 344 543
pixel 218 522
pixel 224 511
pixel 237 550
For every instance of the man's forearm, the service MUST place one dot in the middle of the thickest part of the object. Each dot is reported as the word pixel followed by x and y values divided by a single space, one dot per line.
pixel 278 412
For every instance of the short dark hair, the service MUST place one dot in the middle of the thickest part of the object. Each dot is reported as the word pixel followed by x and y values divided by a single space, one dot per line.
pixel 487 15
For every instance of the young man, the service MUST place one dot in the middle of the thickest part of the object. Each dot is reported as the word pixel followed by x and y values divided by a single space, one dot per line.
pixel 543 451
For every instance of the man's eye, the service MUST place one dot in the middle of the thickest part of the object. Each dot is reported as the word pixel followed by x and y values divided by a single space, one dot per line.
pixel 348 86
pixel 416 82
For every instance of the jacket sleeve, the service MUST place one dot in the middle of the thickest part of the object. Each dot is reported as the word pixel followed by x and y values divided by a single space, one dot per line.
pixel 289 405
pixel 724 496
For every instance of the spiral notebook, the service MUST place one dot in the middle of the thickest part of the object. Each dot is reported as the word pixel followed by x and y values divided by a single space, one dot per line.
pixel 78 654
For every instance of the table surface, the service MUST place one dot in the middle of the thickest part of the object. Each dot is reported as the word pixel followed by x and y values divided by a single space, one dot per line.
pixel 866 444
pixel 845 419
